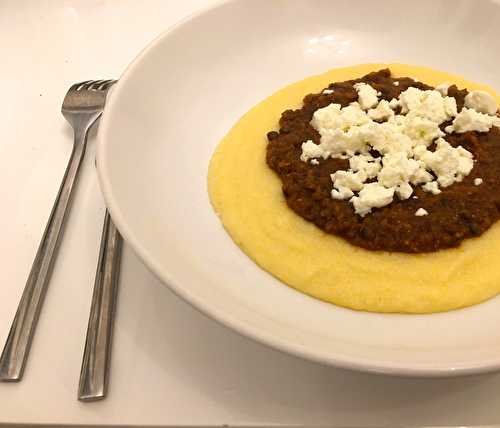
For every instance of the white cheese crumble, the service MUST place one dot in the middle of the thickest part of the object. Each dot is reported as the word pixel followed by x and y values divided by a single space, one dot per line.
pixel 471 120
pixel 372 195
pixel 383 111
pixel 428 104
pixel 402 140
pixel 328 91
pixel 367 96
pixel 394 103
pixel 448 163
pixel 443 88
pixel 349 180
pixel 310 150
pixel 397 169
pixel 315 161
pixel 366 164
pixel 422 131
pixel 404 191
pixel 342 193
pixel 478 181
pixel 421 212
pixel 395 83
pixel 432 187
pixel 481 101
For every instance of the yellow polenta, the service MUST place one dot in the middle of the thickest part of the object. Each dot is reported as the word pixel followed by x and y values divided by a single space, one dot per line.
pixel 247 196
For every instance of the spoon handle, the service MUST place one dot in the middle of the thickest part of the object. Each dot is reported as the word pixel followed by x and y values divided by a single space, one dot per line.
pixel 96 357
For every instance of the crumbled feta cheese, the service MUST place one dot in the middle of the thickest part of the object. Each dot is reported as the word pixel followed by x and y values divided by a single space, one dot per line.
pixel 432 187
pixel 367 96
pixel 443 88
pixel 394 103
pixel 450 107
pixel 481 101
pixel 334 117
pixel 395 83
pixel 429 104
pixel 415 197
pixel 336 143
pixel 404 191
pixel 365 163
pixel 421 176
pixel 342 193
pixel 397 169
pixel 478 181
pixel 401 139
pixel 373 195
pixel 421 212
pixel 341 130
pixel 448 163
pixel 349 180
pixel 421 130
pixel 419 151
pixel 352 115
pixel 471 120
pixel 328 117
pixel 382 112
pixel 388 138
pixel 410 99
pixel 328 91
pixel 311 150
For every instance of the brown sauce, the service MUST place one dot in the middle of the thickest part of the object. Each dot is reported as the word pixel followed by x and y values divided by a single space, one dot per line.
pixel 462 210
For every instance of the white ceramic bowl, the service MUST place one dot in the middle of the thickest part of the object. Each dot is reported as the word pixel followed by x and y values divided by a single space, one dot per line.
pixel 185 91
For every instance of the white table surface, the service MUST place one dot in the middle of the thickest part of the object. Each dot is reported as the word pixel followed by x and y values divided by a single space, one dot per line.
pixel 170 365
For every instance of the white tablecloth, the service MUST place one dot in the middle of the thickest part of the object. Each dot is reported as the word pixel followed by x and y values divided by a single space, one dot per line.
pixel 171 365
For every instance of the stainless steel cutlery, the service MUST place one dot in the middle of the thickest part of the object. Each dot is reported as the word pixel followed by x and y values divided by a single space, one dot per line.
pixel 82 106
pixel 96 356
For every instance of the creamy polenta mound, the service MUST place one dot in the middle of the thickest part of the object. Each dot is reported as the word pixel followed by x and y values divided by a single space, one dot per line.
pixel 247 196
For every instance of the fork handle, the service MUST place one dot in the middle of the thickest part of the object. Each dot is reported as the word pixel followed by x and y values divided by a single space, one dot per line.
pixel 94 373
pixel 17 346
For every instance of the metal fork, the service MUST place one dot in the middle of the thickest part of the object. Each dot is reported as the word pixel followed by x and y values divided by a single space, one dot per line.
pixel 82 106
